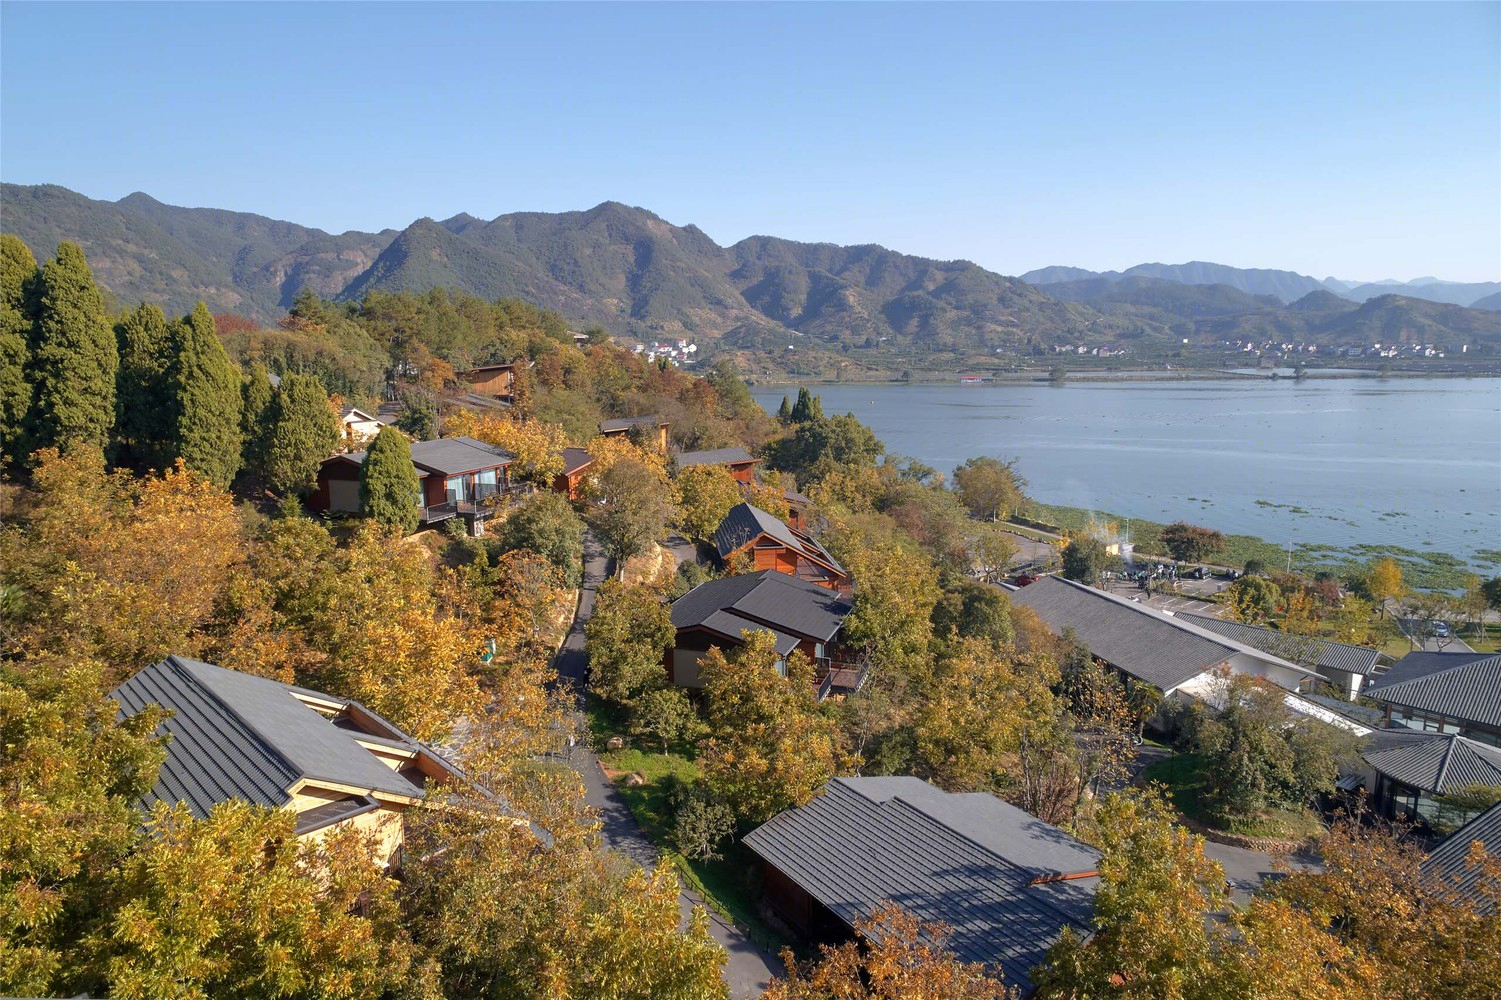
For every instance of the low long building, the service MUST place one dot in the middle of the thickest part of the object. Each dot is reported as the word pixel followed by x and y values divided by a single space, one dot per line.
pixel 740 463
pixel 1004 882
pixel 1159 648
pixel 1348 668
pixel 330 760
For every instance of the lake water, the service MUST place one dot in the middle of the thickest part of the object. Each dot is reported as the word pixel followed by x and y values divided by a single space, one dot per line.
pixel 1405 462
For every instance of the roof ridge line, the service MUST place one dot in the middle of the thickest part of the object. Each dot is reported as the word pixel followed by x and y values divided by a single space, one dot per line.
pixel 177 664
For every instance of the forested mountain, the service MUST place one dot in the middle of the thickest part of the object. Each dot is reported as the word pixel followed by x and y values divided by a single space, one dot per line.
pixel 631 272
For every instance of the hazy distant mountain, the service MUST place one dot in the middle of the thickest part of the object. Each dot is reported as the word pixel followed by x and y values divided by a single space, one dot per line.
pixel 632 272
pixel 1490 302
pixel 1454 292
pixel 1287 286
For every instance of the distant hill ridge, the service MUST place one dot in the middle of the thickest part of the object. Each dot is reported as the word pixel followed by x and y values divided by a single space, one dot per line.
pixel 1287 286
pixel 630 271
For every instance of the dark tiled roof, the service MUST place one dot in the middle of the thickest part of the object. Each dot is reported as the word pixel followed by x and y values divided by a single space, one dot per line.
pixel 745 523
pixel 451 456
pixel 794 497
pixel 1334 655
pixel 445 456
pixel 1434 762
pixel 715 456
pixel 1147 645
pixel 966 860
pixel 238 736
pixel 1455 685
pixel 1447 862
pixel 767 599
pixel 575 459
pixel 626 423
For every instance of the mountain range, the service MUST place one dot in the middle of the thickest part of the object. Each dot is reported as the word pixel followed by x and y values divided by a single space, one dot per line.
pixel 633 273
pixel 1286 286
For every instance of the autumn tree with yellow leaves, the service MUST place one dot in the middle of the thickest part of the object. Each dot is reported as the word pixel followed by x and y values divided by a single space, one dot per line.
pixel 768 747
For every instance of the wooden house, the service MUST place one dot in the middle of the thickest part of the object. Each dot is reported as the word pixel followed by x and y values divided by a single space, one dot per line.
pixel 655 428
pixel 739 461
pixel 357 428
pixel 570 482
pixel 749 532
pixel 330 760
pixel 491 380
pixel 457 477
pixel 800 616
pixel 1004 884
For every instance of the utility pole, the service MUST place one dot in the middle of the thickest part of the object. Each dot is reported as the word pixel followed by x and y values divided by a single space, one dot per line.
pixel 1289 557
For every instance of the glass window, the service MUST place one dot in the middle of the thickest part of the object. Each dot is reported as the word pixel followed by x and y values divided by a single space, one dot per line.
pixel 458 487
pixel 486 478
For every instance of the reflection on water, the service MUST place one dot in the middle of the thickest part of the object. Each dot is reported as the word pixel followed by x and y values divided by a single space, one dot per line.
pixel 1410 462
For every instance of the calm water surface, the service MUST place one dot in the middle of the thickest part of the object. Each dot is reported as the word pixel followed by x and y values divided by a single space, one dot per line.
pixel 1409 462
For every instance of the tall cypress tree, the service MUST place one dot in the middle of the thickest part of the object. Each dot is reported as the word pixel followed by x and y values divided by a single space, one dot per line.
pixel 203 390
pixel 143 426
pixel 18 278
pixel 255 419
pixel 303 433
pixel 784 412
pixel 807 408
pixel 388 481
pixel 73 357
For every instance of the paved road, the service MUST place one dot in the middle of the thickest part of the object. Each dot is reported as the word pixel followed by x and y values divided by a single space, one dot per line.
pixel 1246 869
pixel 749 969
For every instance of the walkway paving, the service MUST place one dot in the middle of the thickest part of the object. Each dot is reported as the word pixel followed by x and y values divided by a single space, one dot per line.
pixel 749 969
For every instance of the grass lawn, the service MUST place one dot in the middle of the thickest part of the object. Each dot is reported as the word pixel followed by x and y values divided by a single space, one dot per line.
pixel 1185 786
pixel 730 885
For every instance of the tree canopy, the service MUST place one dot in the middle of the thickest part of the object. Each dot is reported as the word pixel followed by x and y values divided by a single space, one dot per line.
pixel 390 490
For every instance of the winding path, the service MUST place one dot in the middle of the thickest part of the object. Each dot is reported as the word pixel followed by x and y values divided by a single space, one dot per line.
pixel 749 969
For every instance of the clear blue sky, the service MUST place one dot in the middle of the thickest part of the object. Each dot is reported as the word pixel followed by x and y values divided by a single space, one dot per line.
pixel 1362 141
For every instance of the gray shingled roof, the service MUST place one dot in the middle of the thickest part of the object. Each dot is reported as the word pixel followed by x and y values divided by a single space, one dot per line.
pixel 768 599
pixel 746 522
pixel 451 456
pixel 714 456
pixel 626 423
pixel 1160 649
pixel 575 459
pixel 238 736
pixel 445 456
pixel 1433 762
pixel 966 860
pixel 1334 655
pixel 1447 864
pixel 1455 685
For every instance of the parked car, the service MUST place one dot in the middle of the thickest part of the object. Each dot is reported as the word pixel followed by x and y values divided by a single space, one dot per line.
pixel 1025 579
pixel 1441 630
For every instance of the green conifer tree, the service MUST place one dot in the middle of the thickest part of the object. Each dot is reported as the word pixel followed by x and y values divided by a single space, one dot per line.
pixel 784 412
pixel 73 357
pixel 302 434
pixel 388 481
pixel 255 419
pixel 18 277
pixel 807 408
pixel 143 427
pixel 203 389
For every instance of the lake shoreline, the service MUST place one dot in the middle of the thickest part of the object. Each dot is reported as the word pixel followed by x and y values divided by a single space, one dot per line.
pixel 1340 469
pixel 1133 375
